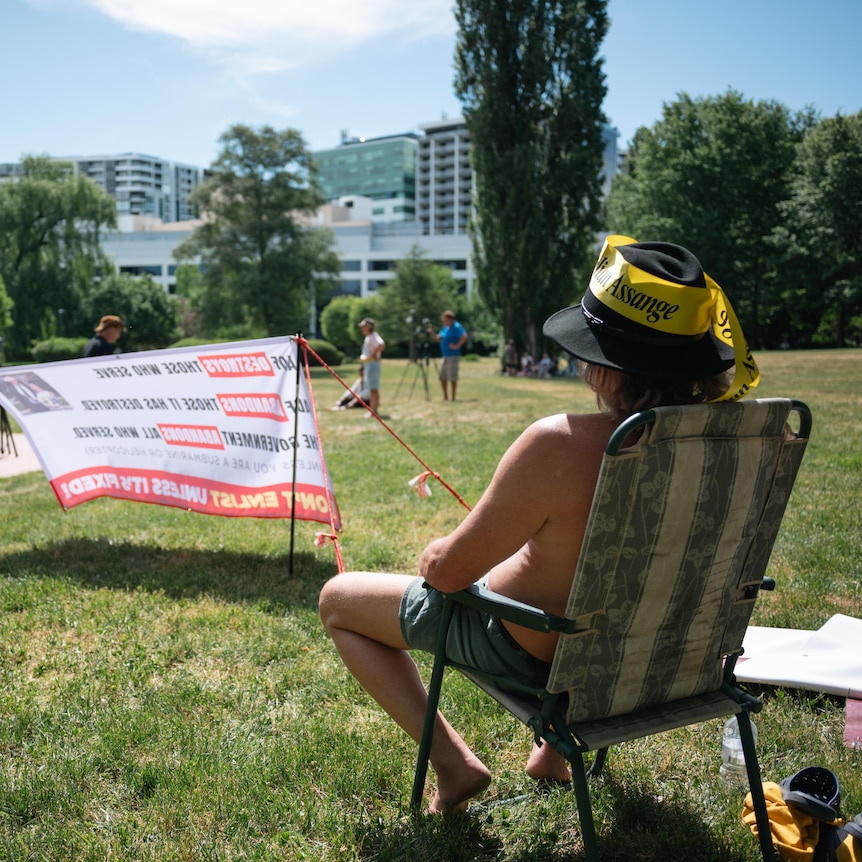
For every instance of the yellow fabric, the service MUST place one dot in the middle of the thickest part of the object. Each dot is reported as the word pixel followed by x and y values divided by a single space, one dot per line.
pixel 850 850
pixel 673 309
pixel 794 834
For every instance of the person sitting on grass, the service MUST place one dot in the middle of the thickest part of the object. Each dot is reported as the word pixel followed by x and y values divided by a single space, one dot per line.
pixel 524 536
pixel 354 396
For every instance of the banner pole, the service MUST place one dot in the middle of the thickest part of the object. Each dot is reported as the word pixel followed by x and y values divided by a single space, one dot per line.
pixel 298 338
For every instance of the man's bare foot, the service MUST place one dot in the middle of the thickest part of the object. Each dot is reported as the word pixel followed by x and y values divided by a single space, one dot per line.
pixel 453 795
pixel 545 764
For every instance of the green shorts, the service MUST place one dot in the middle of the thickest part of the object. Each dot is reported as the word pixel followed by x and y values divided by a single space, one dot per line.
pixel 475 638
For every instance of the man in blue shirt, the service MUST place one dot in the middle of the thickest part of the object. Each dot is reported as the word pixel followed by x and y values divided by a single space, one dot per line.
pixel 451 339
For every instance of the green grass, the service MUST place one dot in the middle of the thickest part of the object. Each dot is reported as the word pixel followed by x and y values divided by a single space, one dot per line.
pixel 167 690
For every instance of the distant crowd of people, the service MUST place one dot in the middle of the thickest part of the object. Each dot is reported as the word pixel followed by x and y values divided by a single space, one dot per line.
pixel 526 366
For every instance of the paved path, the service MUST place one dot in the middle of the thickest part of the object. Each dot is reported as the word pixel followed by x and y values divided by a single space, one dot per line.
pixel 25 462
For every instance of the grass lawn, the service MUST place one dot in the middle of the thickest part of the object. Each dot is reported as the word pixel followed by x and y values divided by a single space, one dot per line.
pixel 167 690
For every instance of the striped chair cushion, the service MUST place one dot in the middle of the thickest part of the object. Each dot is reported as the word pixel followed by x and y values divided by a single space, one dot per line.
pixel 679 528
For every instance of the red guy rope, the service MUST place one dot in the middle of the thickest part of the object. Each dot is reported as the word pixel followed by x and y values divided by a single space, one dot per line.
pixel 428 470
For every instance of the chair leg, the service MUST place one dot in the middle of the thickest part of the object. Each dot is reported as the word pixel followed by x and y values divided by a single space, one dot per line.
pixel 585 808
pixel 598 763
pixel 758 800
pixel 434 687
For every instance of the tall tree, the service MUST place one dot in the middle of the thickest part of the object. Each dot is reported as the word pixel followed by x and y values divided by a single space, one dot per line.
pixel 262 258
pixel 420 291
pixel 710 175
pixel 50 218
pixel 821 233
pixel 531 84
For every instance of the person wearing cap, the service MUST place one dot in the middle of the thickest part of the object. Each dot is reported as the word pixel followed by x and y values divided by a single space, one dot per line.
pixel 451 339
pixel 372 350
pixel 652 329
pixel 103 343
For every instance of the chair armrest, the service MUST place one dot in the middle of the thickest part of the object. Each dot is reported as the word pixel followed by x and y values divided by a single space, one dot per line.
pixel 511 610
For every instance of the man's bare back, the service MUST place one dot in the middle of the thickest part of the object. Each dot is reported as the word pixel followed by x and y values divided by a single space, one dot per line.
pixel 527 529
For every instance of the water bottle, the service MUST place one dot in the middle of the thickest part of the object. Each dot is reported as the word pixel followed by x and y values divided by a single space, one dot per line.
pixel 732 769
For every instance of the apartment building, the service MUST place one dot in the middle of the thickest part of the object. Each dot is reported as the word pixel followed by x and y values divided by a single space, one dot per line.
pixel 444 178
pixel 143 185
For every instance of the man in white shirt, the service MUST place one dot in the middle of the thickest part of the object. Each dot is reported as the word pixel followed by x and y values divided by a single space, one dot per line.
pixel 372 350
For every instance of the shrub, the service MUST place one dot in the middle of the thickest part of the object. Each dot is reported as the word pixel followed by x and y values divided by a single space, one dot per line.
pixel 329 353
pixel 55 349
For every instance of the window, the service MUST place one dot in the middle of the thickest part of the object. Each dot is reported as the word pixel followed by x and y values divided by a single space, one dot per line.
pixel 142 270
pixel 351 266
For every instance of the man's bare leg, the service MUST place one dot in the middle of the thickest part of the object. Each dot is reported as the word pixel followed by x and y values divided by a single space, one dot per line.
pixel 360 612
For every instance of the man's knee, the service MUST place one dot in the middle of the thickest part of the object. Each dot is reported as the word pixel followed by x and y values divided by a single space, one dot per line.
pixel 332 599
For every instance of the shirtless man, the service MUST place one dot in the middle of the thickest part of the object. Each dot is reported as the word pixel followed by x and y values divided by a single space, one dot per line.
pixel 525 533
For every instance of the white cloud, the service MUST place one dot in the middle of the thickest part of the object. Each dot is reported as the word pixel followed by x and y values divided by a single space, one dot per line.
pixel 268 36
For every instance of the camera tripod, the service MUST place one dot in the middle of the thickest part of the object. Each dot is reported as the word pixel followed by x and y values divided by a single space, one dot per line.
pixel 7 441
pixel 420 358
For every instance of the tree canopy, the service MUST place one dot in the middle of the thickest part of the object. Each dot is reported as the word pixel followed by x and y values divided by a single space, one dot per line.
pixel 821 235
pixel 262 260
pixel 712 175
pixel 530 80
pixel 50 219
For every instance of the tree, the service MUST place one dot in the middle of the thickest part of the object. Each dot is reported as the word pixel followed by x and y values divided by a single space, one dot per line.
pixel 420 290
pixel 150 314
pixel 821 233
pixel 339 322
pixel 6 306
pixel 711 175
pixel 50 220
pixel 262 259
pixel 531 84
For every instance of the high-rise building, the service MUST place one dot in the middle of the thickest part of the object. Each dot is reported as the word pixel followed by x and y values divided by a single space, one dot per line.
pixel 143 185
pixel 445 178
pixel 383 169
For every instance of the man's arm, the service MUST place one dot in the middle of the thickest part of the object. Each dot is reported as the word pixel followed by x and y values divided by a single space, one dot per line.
pixel 511 511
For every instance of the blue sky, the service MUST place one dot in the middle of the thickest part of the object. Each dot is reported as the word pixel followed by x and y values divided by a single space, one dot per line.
pixel 167 77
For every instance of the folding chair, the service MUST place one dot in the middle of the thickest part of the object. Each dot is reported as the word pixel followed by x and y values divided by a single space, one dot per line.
pixel 680 532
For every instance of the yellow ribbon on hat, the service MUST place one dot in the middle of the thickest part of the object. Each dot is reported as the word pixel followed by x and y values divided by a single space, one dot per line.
pixel 746 374
pixel 671 308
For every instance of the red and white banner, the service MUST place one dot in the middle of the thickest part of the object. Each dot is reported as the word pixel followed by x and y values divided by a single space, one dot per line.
pixel 213 429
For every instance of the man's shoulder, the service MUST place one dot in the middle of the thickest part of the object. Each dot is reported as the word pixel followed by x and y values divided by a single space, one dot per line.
pixel 584 430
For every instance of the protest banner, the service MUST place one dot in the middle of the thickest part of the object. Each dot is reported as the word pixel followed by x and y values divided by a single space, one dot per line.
pixel 217 429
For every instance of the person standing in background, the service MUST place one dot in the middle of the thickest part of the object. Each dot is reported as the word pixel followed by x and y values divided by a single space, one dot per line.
pixel 451 339
pixel 372 350
pixel 108 331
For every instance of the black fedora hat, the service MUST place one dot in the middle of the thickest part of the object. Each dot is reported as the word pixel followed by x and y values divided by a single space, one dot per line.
pixel 651 310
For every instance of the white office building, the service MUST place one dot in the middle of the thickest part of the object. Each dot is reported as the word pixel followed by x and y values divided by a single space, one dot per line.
pixel 368 250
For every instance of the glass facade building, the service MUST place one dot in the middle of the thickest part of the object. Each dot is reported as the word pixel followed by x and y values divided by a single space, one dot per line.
pixel 382 169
